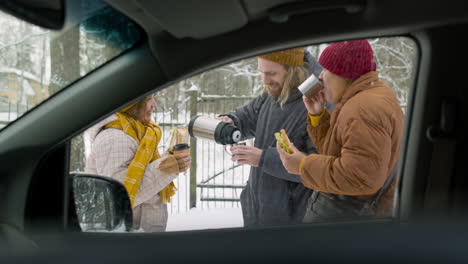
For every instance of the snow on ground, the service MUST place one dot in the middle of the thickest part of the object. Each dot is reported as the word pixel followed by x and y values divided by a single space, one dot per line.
pixel 197 219
pixel 6 116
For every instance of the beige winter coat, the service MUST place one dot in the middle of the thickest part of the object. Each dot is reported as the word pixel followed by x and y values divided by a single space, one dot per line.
pixel 359 143
pixel 112 150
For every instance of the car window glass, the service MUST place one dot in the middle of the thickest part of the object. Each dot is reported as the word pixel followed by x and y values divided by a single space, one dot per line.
pixel 36 63
pixel 209 193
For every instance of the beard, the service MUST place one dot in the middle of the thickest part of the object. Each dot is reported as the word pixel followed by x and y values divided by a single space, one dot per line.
pixel 275 90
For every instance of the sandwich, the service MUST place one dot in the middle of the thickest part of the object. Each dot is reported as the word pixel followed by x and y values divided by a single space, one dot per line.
pixel 283 140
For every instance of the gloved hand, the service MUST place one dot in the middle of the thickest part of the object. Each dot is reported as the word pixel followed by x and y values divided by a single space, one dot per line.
pixel 175 163
pixel 168 165
pixel 183 160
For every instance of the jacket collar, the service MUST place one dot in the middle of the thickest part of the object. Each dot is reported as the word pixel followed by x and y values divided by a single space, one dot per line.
pixel 365 82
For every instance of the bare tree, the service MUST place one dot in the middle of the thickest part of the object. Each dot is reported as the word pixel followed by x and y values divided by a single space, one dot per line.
pixel 65 68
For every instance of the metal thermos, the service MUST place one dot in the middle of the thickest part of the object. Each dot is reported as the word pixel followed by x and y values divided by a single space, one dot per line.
pixel 311 86
pixel 214 129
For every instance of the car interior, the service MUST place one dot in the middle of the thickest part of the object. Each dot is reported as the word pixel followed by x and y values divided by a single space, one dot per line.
pixel 180 39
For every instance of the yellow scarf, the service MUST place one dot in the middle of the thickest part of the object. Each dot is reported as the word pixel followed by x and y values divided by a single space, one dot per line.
pixel 148 134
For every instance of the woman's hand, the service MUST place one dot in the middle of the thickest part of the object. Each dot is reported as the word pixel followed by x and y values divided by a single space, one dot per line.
pixel 316 104
pixel 290 161
pixel 168 165
pixel 175 163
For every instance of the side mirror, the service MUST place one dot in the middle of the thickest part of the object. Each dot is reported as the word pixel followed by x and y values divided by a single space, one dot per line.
pixel 101 203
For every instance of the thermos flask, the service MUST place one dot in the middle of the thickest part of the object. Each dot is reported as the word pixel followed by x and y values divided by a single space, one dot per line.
pixel 213 129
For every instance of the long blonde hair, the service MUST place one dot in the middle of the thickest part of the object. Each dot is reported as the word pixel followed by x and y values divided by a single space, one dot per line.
pixel 295 75
pixel 135 109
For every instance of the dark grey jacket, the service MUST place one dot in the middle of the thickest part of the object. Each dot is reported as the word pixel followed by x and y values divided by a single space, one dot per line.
pixel 272 195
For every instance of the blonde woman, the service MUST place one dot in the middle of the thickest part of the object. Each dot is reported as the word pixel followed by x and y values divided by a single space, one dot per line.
pixel 125 147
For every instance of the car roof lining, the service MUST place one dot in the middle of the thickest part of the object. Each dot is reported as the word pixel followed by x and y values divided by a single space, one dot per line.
pixel 195 19
pixel 180 53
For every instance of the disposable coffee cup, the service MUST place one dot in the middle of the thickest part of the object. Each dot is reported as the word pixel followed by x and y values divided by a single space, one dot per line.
pixel 180 148
pixel 310 87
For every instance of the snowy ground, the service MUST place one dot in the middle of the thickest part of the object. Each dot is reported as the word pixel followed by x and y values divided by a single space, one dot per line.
pixel 197 219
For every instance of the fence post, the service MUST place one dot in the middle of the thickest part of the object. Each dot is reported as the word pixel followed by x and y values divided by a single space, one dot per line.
pixel 193 151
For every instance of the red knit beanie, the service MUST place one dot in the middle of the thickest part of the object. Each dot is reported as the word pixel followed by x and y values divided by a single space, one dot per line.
pixel 348 59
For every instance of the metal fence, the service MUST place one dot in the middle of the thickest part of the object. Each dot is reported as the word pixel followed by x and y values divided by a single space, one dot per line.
pixel 213 181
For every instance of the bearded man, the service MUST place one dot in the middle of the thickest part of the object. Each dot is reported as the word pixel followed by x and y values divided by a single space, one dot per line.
pixel 273 196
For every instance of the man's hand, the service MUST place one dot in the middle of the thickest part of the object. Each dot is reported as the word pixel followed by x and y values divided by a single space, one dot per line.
pixel 246 155
pixel 225 119
pixel 290 161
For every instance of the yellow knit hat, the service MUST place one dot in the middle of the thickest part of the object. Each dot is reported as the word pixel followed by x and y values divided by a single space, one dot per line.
pixel 293 57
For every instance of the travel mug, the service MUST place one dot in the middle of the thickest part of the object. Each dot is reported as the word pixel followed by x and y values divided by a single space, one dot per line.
pixel 310 87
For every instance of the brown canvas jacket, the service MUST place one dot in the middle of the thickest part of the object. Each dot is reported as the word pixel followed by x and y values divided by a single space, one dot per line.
pixel 359 142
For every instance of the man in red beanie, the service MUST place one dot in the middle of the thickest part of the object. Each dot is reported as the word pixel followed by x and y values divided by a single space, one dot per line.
pixel 358 142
